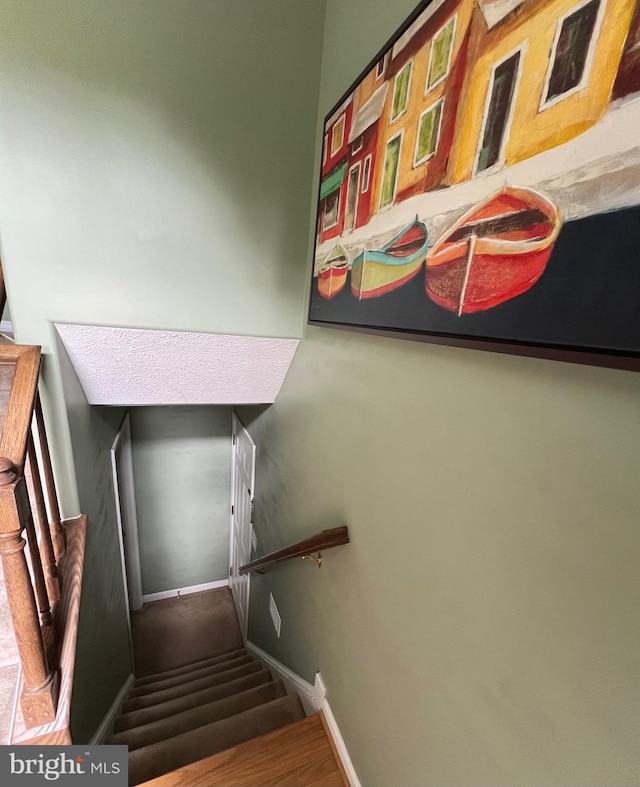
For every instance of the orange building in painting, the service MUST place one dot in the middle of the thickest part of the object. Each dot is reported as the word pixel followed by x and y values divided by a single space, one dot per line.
pixel 540 73
pixel 425 70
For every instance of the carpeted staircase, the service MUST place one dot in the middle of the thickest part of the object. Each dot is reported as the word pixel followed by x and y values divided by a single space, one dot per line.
pixel 185 714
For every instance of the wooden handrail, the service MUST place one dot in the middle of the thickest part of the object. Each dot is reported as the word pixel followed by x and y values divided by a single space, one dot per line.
pixel 19 413
pixel 327 539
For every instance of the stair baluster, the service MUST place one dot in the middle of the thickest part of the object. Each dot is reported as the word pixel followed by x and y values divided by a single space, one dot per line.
pixel 47 554
pixel 55 525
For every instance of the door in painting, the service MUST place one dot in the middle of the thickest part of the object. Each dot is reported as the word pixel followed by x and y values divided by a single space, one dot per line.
pixel 498 111
pixel 243 476
pixel 390 171
pixel 353 189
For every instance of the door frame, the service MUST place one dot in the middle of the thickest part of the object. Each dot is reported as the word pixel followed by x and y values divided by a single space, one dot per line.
pixel 129 541
pixel 356 195
pixel 399 136
pixel 237 426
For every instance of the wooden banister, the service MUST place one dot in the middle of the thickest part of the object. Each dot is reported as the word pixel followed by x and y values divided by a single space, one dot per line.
pixel 327 539
pixel 32 594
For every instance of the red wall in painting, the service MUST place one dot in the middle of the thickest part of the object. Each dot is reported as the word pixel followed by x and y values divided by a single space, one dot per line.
pixel 331 163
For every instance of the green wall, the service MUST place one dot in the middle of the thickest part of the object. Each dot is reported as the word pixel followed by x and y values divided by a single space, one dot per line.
pixel 182 467
pixel 482 627
pixel 102 662
pixel 156 164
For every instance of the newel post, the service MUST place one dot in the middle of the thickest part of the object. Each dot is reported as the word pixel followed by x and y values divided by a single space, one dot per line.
pixel 39 697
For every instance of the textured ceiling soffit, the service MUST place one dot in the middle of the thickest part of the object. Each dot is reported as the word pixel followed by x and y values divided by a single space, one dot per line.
pixel 129 366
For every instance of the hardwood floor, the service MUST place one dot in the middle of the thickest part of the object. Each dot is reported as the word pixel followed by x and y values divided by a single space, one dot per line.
pixel 299 755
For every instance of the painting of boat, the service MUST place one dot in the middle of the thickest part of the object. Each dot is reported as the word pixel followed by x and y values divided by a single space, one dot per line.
pixel 494 252
pixel 332 275
pixel 376 272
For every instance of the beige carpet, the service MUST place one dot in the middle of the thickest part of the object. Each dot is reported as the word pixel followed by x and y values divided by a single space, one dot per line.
pixel 177 631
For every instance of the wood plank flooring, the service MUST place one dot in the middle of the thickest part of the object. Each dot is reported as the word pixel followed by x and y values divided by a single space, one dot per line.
pixel 299 755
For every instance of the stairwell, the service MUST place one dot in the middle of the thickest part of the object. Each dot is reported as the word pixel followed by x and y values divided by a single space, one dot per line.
pixel 186 713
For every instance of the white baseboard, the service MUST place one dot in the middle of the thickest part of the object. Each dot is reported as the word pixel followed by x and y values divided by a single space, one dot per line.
pixel 313 699
pixel 341 747
pixel 294 684
pixel 107 723
pixel 221 583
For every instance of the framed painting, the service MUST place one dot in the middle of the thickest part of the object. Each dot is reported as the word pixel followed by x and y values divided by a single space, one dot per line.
pixel 480 182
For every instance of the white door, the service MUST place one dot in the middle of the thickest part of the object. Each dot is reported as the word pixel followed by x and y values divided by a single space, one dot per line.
pixel 242 480
pixel 122 470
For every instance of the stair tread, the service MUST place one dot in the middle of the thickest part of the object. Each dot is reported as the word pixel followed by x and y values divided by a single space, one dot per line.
pixel 191 687
pixel 174 724
pixel 165 756
pixel 298 755
pixel 136 718
pixel 186 677
pixel 142 681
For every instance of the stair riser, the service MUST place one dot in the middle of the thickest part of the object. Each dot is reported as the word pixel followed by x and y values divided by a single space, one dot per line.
pixel 190 688
pixel 160 711
pixel 198 717
pixel 177 680
pixel 234 654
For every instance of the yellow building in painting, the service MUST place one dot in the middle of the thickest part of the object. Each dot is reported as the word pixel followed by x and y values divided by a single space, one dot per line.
pixel 425 71
pixel 538 75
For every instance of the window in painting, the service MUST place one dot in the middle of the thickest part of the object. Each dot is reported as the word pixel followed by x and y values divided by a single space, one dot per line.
pixel 331 210
pixel 571 51
pixel 380 67
pixel 428 133
pixel 357 145
pixel 401 91
pixel 390 171
pixel 440 56
pixel 325 149
pixel 498 112
pixel 366 174
pixel 337 135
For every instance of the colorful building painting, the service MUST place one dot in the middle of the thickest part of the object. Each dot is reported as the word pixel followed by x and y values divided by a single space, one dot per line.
pixel 334 167
pixel 538 77
pixel 477 115
pixel 425 70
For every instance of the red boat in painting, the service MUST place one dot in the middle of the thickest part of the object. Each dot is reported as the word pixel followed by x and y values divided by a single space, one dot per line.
pixel 495 251
pixel 332 275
